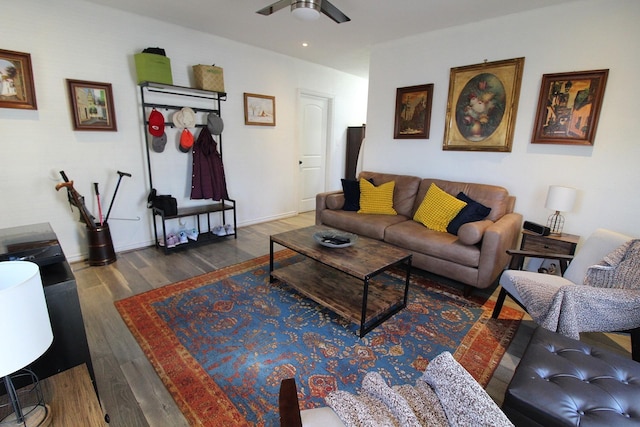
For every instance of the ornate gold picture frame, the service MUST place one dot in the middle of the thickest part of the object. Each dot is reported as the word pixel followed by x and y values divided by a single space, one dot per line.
pixel 482 106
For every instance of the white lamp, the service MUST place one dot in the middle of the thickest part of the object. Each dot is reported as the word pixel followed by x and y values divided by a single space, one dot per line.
pixel 559 199
pixel 306 10
pixel 25 335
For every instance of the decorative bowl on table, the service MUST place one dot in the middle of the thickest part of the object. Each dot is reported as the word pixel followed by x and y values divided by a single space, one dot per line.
pixel 335 238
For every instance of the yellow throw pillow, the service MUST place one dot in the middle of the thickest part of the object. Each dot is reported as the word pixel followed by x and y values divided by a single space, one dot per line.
pixel 438 209
pixel 376 200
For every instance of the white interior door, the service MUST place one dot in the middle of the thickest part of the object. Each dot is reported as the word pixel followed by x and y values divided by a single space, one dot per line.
pixel 314 112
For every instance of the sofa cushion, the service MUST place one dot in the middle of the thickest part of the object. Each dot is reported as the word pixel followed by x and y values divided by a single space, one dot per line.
pixel 491 196
pixel 368 225
pixel 473 211
pixel 437 209
pixel 376 200
pixel 405 191
pixel 351 191
pixel 415 237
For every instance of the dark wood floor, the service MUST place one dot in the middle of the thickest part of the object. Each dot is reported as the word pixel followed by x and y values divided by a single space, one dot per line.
pixel 130 391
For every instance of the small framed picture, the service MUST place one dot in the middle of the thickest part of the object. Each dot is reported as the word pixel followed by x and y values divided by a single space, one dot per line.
pixel 259 110
pixel 92 106
pixel 569 107
pixel 413 112
pixel 482 106
pixel 16 81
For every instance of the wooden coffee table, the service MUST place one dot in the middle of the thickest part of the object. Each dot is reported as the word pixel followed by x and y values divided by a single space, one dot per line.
pixel 343 279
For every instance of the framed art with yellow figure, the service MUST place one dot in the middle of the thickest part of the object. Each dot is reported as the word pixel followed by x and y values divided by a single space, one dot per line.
pixel 482 106
pixel 16 81
pixel 569 107
pixel 413 112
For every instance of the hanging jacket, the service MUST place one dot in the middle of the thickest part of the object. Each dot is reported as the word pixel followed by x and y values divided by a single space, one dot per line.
pixel 207 179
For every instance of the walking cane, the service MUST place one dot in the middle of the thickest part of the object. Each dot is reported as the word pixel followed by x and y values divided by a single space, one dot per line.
pixel 121 174
pixel 95 187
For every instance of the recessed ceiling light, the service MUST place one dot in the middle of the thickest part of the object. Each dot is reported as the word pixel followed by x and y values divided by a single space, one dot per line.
pixel 305 44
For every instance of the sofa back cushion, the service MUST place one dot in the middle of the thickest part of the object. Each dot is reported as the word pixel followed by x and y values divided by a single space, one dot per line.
pixel 492 196
pixel 404 194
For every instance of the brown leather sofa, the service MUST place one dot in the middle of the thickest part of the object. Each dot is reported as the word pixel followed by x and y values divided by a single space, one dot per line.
pixel 474 257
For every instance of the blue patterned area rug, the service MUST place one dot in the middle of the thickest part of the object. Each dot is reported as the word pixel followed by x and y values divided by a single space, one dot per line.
pixel 223 341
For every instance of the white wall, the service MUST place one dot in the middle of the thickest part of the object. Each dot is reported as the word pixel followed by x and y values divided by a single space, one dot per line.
pixel 586 35
pixel 77 40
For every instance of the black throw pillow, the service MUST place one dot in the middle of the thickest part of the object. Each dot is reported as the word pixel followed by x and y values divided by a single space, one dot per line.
pixel 351 190
pixel 474 211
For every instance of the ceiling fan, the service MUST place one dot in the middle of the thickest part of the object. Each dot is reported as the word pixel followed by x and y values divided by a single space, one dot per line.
pixel 307 10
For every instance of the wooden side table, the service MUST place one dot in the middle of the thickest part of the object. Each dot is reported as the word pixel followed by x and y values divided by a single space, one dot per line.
pixel 564 244
pixel 561 244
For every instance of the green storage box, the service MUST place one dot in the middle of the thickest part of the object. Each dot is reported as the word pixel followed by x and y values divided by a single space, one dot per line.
pixel 153 68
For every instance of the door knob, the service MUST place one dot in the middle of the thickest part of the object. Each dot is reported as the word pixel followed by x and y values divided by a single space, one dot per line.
pixel 299 162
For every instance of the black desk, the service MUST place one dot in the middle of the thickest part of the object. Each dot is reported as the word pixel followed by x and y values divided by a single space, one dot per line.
pixel 38 243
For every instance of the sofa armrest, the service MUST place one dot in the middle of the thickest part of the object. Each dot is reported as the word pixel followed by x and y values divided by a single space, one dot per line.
pixel 321 203
pixel 291 416
pixel 501 236
pixel 288 404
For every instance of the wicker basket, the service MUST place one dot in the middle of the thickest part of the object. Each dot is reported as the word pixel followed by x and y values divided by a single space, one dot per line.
pixel 209 77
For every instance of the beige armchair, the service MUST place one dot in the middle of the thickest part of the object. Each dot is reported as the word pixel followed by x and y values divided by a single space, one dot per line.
pixel 566 305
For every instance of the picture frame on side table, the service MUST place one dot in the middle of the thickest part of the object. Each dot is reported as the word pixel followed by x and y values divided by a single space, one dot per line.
pixel 569 107
pixel 259 110
pixel 413 112
pixel 92 107
pixel 17 89
pixel 482 106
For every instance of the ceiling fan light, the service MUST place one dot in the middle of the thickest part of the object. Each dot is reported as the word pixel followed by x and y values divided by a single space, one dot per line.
pixel 308 10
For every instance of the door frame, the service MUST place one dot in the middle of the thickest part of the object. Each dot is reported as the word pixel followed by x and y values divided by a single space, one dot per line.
pixel 329 136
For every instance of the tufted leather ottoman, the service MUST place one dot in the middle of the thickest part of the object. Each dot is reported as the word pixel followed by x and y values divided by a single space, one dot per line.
pixel 564 382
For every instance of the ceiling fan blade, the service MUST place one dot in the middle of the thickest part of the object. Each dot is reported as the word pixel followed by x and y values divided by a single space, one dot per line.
pixel 274 7
pixel 333 12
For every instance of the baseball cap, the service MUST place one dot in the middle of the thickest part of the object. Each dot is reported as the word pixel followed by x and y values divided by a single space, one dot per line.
pixel 156 123
pixel 158 143
pixel 186 141
pixel 215 124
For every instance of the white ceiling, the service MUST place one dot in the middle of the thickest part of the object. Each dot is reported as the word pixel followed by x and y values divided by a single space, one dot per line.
pixel 344 46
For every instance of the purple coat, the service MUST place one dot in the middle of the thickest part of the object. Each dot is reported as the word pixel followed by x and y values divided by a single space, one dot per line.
pixel 207 179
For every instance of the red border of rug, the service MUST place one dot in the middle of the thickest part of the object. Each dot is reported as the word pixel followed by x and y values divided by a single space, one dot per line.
pixel 204 403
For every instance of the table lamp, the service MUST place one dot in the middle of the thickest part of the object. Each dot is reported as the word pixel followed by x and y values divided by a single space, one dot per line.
pixel 559 199
pixel 25 335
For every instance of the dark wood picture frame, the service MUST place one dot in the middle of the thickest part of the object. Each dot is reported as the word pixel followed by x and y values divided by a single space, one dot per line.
pixel 413 112
pixel 17 89
pixel 259 110
pixel 569 107
pixel 92 105
pixel 482 106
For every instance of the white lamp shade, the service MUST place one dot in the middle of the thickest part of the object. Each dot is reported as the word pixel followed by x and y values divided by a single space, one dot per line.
pixel 306 10
pixel 560 198
pixel 25 328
